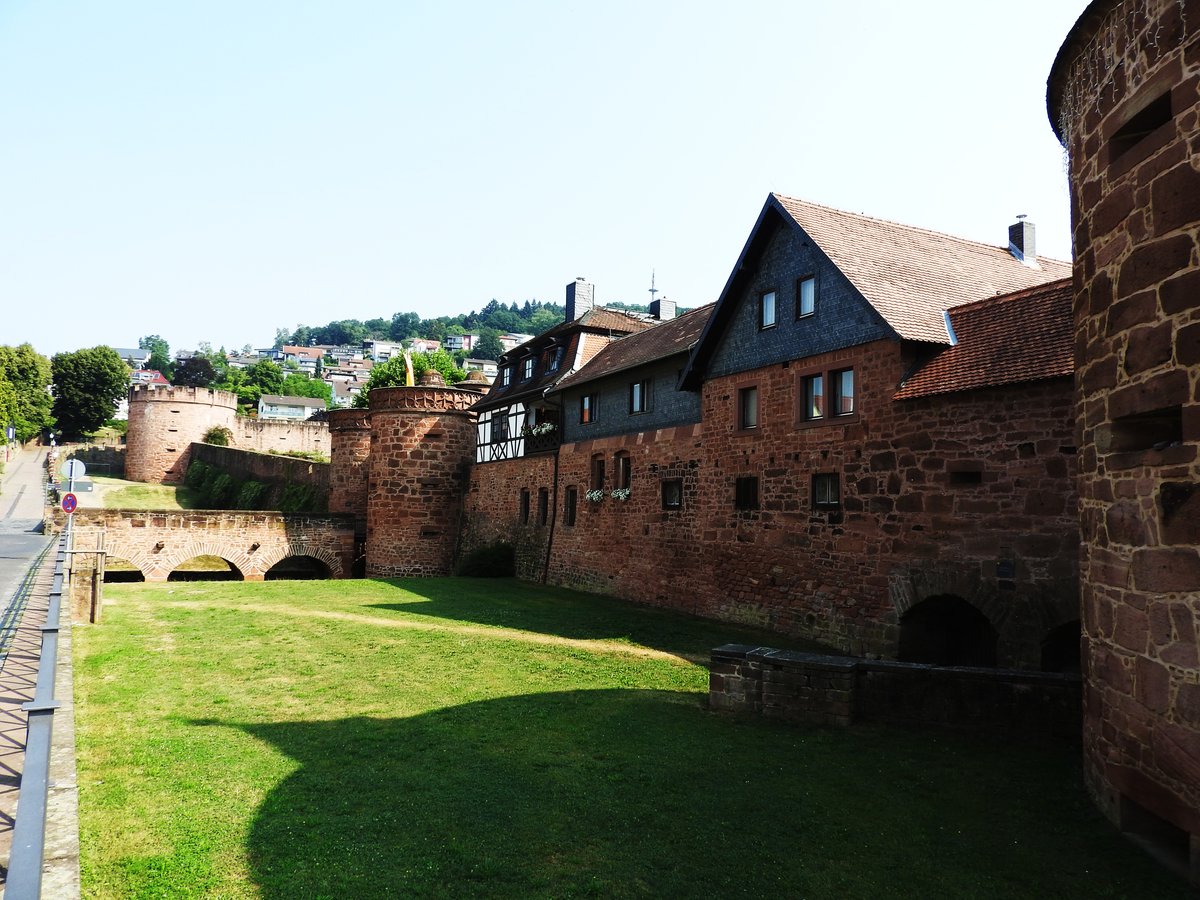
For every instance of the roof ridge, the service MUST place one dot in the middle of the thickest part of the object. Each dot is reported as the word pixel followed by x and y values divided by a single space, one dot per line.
pixel 906 227
pixel 1057 284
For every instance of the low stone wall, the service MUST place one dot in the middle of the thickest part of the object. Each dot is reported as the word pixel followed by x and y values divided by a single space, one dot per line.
pixel 269 468
pixel 100 459
pixel 841 690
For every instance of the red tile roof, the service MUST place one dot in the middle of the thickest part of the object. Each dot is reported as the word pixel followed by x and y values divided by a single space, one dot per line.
pixel 1024 336
pixel 669 338
pixel 911 275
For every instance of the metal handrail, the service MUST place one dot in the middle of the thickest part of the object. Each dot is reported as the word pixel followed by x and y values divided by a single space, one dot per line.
pixel 29 831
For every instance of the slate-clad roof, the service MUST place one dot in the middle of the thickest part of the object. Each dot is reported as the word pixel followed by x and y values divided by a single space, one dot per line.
pixel 911 275
pixel 592 329
pixel 667 339
pixel 1024 336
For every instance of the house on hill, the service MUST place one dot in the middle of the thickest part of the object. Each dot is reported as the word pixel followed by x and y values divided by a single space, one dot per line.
pixel 295 409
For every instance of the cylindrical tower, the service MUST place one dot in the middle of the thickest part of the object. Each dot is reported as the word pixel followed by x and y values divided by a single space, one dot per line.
pixel 349 457
pixel 1124 100
pixel 163 423
pixel 422 446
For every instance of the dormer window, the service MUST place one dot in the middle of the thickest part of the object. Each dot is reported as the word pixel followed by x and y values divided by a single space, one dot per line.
pixel 505 376
pixel 527 369
pixel 555 358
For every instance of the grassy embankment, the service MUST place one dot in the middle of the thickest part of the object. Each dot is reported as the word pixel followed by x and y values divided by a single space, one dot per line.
pixel 457 737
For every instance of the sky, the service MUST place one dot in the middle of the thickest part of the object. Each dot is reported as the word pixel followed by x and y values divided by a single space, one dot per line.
pixel 215 171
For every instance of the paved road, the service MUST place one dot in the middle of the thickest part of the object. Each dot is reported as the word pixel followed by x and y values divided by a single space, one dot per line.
pixel 21 540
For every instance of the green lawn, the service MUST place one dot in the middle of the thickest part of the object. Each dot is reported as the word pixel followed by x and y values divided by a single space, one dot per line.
pixel 117 493
pixel 459 737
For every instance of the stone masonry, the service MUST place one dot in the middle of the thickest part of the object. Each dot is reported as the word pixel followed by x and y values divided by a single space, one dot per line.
pixel 1124 97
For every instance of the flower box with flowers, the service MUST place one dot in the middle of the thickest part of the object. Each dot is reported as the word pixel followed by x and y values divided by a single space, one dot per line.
pixel 594 496
pixel 620 493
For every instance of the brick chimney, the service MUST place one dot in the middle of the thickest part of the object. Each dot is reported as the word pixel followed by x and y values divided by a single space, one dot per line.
pixel 662 309
pixel 1021 242
pixel 579 298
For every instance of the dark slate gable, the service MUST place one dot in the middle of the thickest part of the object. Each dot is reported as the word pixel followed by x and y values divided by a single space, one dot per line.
pixel 842 317
pixel 668 406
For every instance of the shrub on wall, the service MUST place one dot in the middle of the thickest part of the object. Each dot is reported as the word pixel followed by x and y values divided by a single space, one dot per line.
pixel 496 560
pixel 218 436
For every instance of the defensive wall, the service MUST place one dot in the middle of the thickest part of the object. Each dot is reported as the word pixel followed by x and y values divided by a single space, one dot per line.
pixel 1124 97
pixel 812 689
pixel 967 495
pixel 156 543
pixel 165 422
pixel 269 468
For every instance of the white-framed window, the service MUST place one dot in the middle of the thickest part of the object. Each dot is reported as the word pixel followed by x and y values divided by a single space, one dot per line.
pixel 505 376
pixel 766 309
pixel 639 396
pixel 527 368
pixel 748 408
pixel 806 296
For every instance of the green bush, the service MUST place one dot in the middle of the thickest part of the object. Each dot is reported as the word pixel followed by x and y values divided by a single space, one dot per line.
pixel 218 436
pixel 222 492
pixel 298 498
pixel 496 560
pixel 252 494
pixel 197 474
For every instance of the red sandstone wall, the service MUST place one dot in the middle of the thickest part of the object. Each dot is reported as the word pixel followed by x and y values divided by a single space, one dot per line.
pixel 350 451
pixel 267 435
pixel 422 445
pixel 1136 216
pixel 492 511
pixel 904 532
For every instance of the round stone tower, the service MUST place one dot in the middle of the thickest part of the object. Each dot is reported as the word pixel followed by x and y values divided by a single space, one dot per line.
pixel 163 423
pixel 422 446
pixel 1124 98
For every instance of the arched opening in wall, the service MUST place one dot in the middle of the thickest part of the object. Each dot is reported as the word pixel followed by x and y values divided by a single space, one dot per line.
pixel 121 571
pixel 1060 648
pixel 205 568
pixel 297 568
pixel 947 631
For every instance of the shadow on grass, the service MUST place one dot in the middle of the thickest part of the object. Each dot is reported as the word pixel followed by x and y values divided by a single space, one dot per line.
pixel 643 793
pixel 509 603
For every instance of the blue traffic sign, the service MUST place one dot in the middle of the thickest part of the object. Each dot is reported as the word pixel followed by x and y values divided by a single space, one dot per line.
pixel 69 502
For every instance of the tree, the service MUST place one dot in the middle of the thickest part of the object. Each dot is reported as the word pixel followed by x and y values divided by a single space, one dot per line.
pixel 155 344
pixel 196 371
pixel 543 319
pixel 87 385
pixel 404 325
pixel 266 376
pixel 25 400
pixel 489 346
pixel 297 384
pixel 394 374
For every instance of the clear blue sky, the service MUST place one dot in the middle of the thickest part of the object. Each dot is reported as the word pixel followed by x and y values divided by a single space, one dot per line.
pixel 211 171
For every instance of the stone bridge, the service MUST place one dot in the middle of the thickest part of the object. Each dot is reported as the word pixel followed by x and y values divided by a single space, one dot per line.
pixel 157 542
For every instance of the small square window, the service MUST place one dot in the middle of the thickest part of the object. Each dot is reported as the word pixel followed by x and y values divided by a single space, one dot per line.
pixel 639 396
pixel 571 505
pixel 748 408
pixel 842 384
pixel 745 494
pixel 766 309
pixel 814 396
pixel 527 370
pixel 622 470
pixel 806 296
pixel 500 425
pixel 672 493
pixel 543 505
pixel 524 506
pixel 826 493
pixel 587 409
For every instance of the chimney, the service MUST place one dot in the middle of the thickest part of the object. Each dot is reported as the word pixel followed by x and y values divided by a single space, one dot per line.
pixel 662 309
pixel 579 299
pixel 1021 243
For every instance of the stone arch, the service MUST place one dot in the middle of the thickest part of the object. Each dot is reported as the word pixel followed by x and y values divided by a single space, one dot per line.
pixel 138 558
pixel 946 630
pixel 912 586
pixel 172 559
pixel 269 556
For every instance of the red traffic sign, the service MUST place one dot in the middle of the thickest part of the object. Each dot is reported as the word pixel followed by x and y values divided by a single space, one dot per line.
pixel 69 502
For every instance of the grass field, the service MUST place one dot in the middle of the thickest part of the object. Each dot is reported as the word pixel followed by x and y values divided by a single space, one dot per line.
pixel 458 737
pixel 116 493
